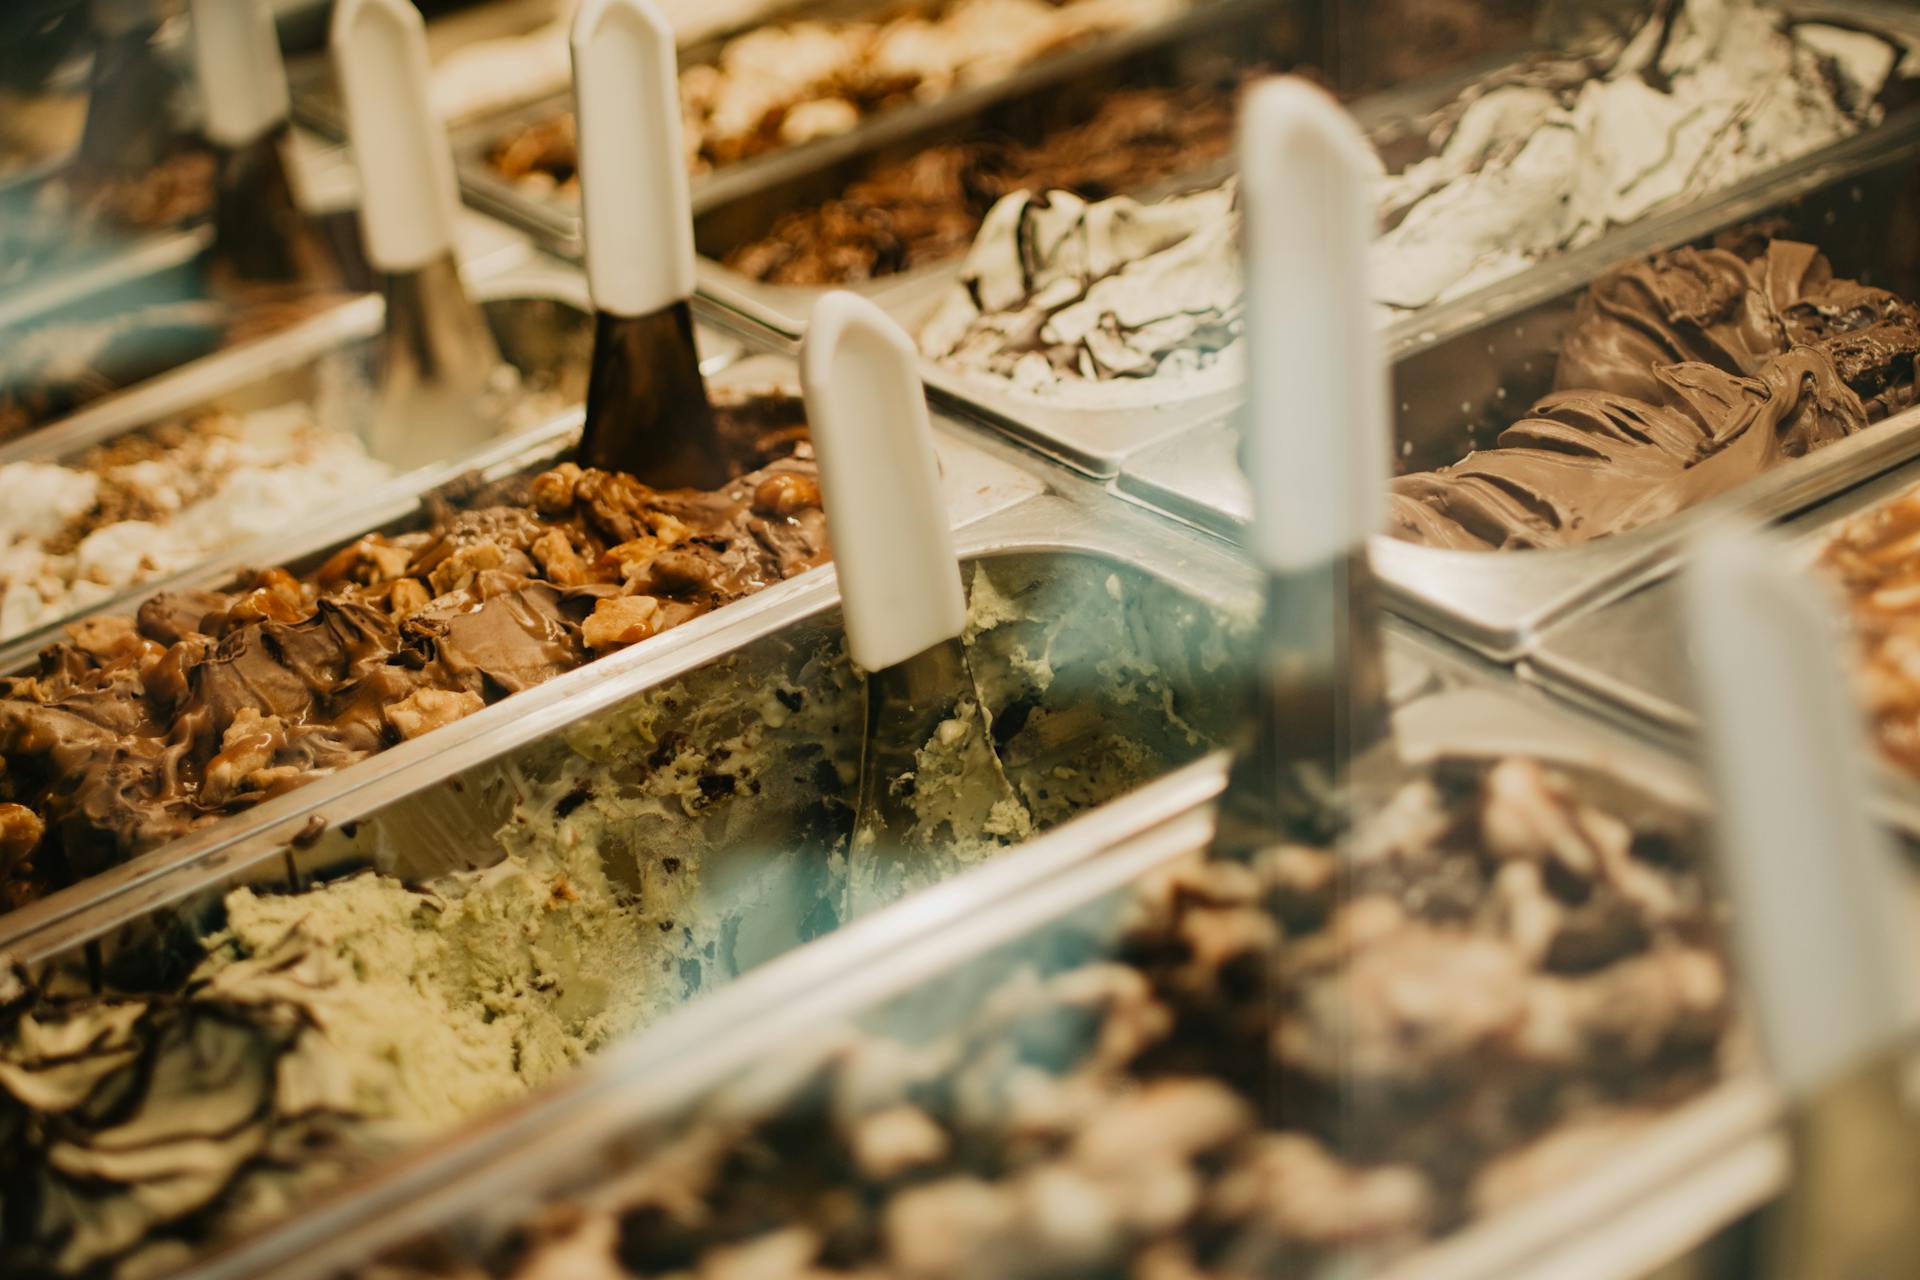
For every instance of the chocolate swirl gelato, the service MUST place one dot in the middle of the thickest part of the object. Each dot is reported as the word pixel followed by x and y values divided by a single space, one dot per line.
pixel 140 729
pixel 926 208
pixel 1312 1057
pixel 1684 376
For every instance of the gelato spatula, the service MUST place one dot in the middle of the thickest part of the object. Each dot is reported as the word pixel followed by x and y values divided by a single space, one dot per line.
pixel 261 235
pixel 647 408
pixel 439 358
pixel 900 592
pixel 127 131
pixel 1817 909
pixel 1316 454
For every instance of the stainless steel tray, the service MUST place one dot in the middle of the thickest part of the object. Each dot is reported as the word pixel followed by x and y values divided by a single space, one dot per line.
pixel 1628 659
pixel 315 94
pixel 146 258
pixel 555 223
pixel 1148 441
pixel 1704 1165
pixel 442 810
pixel 425 824
pixel 1457 390
pixel 979 481
pixel 538 319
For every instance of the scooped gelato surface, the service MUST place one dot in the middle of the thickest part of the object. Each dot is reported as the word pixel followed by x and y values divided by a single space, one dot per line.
pixel 1704 94
pixel 643 856
pixel 1118 303
pixel 926 208
pixel 1098 300
pixel 1684 376
pixel 1313 1057
pixel 139 729
pixel 784 84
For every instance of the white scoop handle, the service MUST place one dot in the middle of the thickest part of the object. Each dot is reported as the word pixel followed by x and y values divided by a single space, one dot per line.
pixel 407 193
pixel 1811 875
pixel 236 58
pixel 1317 379
pixel 635 212
pixel 892 542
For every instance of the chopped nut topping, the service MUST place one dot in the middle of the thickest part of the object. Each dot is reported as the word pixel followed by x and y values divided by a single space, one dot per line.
pixel 558 559
pixel 553 490
pixel 427 709
pixel 20 832
pixel 620 621
pixel 408 596
pixel 457 571
pixel 785 494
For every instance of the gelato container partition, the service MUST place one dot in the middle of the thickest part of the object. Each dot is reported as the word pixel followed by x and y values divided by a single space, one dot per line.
pixel 766 1059
pixel 1211 56
pixel 299 401
pixel 126 316
pixel 554 220
pixel 1457 388
pixel 977 485
pixel 709 794
pixel 529 32
pixel 1147 433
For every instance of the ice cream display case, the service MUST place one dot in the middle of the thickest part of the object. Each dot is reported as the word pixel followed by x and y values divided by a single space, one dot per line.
pixel 1059 1082
pixel 223 457
pixel 516 549
pixel 686 814
pixel 755 726
pixel 1547 547
pixel 1106 343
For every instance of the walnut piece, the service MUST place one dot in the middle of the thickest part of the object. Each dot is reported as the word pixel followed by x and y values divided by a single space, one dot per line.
pixel 621 620
pixel 20 832
pixel 553 490
pixel 786 494
pixel 558 560
pixel 427 709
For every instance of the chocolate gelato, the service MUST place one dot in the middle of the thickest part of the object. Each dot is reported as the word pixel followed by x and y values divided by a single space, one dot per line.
pixel 1684 376
pixel 140 729
pixel 1314 1057
pixel 926 208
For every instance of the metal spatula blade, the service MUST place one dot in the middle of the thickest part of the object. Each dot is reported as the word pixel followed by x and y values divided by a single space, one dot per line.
pixel 439 357
pixel 900 590
pixel 1317 457
pixel 261 235
pixel 647 407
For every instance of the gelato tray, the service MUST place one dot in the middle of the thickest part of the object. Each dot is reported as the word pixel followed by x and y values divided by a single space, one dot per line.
pixel 232 461
pixel 493 57
pixel 1627 659
pixel 785 100
pixel 1559 454
pixel 229 698
pixel 119 337
pixel 458 928
pixel 1061 1062
pixel 1098 323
